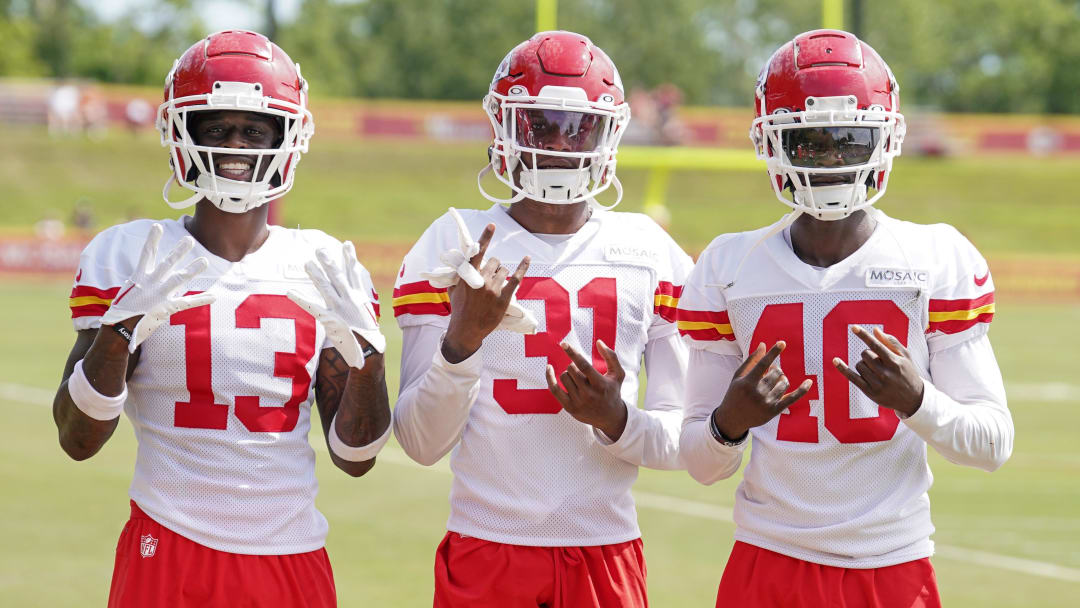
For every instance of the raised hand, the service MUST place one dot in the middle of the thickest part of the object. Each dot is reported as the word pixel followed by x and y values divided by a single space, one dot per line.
pixel 151 294
pixel 476 311
pixel 462 264
pixel 589 396
pixel 886 374
pixel 458 261
pixel 757 393
pixel 348 315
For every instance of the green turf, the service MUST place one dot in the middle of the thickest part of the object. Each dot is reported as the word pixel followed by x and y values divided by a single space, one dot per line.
pixel 60 519
pixel 391 190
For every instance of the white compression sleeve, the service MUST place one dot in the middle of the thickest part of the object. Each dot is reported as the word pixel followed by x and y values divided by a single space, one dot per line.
pixel 436 395
pixel 707 379
pixel 651 436
pixel 964 413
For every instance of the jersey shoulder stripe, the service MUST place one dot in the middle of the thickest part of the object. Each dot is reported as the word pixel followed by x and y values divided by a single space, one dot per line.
pixel 954 316
pixel 87 301
pixel 705 325
pixel 421 298
pixel 666 300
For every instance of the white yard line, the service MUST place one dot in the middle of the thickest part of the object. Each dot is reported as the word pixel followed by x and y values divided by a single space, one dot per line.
pixel 29 395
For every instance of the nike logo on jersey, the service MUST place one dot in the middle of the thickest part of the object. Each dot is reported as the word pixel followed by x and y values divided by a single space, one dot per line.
pixel 980 281
pixel 78 277
pixel 897 277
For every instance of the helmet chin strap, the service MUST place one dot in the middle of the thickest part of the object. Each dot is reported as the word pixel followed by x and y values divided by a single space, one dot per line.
pixel 830 202
pixel 555 186
pixel 222 192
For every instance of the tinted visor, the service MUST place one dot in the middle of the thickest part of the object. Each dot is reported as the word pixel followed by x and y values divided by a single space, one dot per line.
pixel 825 147
pixel 559 130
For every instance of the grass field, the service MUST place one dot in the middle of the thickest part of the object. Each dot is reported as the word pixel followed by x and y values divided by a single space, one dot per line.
pixel 1007 539
pixel 60 519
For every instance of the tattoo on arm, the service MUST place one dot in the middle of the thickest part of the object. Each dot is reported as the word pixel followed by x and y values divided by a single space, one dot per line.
pixel 359 400
pixel 80 435
pixel 330 379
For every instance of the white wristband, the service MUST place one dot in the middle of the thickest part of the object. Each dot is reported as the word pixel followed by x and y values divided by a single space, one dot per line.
pixel 89 401
pixel 360 453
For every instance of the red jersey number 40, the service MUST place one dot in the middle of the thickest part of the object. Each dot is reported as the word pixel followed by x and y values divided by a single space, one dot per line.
pixel 785 322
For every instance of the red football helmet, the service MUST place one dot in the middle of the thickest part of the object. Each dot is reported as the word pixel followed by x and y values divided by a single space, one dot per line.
pixel 234 70
pixel 559 98
pixel 827 123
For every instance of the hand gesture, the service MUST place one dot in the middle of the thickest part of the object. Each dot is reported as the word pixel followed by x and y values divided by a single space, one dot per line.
pixel 476 311
pixel 886 374
pixel 151 294
pixel 348 315
pixel 462 264
pixel 589 396
pixel 458 261
pixel 756 394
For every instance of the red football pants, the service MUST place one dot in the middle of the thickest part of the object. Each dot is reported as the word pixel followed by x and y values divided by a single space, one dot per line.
pixel 475 573
pixel 756 578
pixel 157 567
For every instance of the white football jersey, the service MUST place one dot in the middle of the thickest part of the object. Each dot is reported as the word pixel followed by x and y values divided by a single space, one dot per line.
pixel 836 479
pixel 220 400
pixel 525 471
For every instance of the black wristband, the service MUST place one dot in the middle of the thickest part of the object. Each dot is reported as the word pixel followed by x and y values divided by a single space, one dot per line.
pixel 720 436
pixel 123 331
pixel 367 352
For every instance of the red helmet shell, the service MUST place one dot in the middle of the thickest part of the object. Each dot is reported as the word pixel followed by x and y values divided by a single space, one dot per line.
pixel 237 56
pixel 563 59
pixel 826 63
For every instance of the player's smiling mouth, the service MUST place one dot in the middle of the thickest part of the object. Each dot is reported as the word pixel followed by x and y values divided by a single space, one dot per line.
pixel 239 168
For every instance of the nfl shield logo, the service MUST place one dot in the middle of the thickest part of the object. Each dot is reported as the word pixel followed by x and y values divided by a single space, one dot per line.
pixel 147 545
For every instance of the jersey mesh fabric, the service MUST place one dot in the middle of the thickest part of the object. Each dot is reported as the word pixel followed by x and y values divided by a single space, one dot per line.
pixel 861 502
pixel 543 479
pixel 832 500
pixel 248 487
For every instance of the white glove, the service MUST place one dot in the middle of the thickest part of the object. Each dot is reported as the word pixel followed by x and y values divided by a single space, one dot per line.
pixel 348 305
pixel 457 260
pixel 458 267
pixel 154 293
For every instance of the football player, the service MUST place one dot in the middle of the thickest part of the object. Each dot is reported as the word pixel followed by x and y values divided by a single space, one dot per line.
pixel 212 332
pixel 544 427
pixel 843 342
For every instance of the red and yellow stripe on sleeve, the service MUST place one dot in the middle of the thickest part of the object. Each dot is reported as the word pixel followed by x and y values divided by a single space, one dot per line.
pixel 666 300
pixel 421 298
pixel 86 301
pixel 705 325
pixel 954 316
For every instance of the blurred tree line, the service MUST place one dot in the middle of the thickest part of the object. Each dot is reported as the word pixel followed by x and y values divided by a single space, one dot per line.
pixel 954 55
